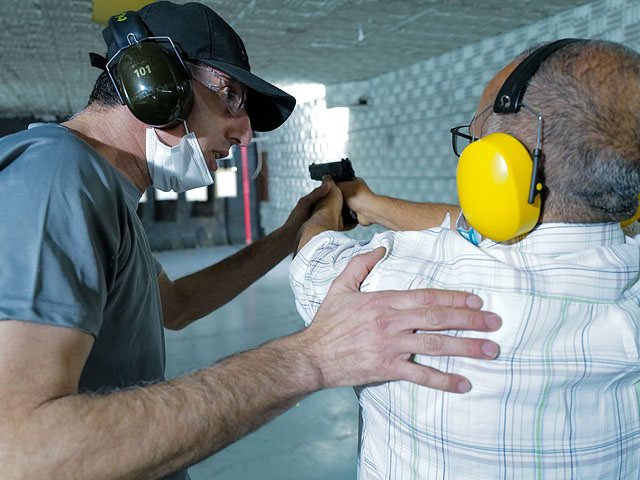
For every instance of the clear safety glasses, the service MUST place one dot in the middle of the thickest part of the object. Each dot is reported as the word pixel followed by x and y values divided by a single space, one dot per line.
pixel 232 92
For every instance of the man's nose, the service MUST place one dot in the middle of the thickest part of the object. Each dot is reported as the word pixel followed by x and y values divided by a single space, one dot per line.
pixel 241 132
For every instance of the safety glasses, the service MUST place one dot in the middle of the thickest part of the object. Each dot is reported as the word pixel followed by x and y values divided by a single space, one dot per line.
pixel 232 92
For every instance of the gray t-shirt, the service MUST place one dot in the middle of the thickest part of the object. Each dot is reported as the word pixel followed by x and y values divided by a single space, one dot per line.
pixel 74 253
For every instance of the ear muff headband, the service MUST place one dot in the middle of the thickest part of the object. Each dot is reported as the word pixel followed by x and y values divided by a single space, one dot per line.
pixel 509 98
pixel 498 183
pixel 152 80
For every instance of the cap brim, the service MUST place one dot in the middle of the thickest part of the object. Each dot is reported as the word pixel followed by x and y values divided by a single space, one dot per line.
pixel 268 107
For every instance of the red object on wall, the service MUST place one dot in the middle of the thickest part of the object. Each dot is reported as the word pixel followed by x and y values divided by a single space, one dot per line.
pixel 246 191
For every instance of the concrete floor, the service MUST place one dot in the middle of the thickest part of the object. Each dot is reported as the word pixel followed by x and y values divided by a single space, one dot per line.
pixel 316 440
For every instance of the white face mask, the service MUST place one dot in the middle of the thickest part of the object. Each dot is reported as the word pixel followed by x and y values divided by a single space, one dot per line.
pixel 176 168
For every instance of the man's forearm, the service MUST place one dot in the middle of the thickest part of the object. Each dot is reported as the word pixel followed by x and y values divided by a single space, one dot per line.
pixel 318 223
pixel 396 214
pixel 391 213
pixel 151 431
pixel 194 296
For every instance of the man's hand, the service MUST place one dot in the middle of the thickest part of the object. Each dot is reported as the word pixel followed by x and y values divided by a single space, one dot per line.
pixel 357 195
pixel 328 209
pixel 359 338
pixel 326 214
pixel 304 208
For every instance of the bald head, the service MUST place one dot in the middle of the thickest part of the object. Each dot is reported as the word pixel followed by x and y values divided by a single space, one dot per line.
pixel 493 87
pixel 588 94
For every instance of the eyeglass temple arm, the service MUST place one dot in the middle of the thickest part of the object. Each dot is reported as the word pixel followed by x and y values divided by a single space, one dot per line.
pixel 453 141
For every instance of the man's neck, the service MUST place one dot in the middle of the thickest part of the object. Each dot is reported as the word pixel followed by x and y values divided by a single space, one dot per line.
pixel 116 135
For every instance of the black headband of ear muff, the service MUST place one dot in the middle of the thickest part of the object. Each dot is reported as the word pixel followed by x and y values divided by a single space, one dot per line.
pixel 509 98
pixel 124 30
pixel 127 29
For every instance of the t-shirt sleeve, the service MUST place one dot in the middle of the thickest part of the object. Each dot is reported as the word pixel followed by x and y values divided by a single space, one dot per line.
pixel 320 261
pixel 157 265
pixel 59 231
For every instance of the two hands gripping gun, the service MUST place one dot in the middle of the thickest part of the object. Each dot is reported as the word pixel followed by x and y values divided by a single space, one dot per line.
pixel 341 171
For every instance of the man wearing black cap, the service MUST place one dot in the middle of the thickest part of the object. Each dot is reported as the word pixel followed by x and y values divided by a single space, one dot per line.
pixel 83 303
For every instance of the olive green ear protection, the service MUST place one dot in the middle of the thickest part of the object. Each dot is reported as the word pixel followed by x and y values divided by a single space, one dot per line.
pixel 498 180
pixel 153 81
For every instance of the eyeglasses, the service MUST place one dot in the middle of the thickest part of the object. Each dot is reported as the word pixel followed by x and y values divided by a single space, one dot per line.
pixel 460 140
pixel 232 92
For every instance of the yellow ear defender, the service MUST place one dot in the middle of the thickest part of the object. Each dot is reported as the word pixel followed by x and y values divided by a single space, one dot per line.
pixel 497 178
pixel 493 176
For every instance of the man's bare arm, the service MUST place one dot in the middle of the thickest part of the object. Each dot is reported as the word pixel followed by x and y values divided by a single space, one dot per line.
pixel 194 296
pixel 49 431
pixel 394 213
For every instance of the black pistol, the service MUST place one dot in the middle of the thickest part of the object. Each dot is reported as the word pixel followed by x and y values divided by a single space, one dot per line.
pixel 341 171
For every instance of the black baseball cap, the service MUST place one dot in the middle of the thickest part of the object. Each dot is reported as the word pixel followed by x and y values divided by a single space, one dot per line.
pixel 200 34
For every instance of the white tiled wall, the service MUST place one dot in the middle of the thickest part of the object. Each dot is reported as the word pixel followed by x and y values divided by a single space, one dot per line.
pixel 399 142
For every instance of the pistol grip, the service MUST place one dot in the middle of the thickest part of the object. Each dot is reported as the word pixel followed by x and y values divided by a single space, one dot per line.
pixel 349 217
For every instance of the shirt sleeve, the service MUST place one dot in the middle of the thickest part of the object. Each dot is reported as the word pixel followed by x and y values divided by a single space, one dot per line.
pixel 60 234
pixel 157 265
pixel 320 261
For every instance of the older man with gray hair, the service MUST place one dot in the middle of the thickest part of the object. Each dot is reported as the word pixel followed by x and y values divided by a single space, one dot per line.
pixel 561 400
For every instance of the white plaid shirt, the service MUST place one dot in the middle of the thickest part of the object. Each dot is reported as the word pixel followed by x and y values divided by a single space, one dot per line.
pixel 562 401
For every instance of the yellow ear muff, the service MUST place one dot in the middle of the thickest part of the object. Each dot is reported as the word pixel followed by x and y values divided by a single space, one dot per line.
pixel 626 223
pixel 493 178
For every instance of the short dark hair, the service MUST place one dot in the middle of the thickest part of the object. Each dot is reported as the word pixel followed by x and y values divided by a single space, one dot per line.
pixel 104 92
pixel 588 94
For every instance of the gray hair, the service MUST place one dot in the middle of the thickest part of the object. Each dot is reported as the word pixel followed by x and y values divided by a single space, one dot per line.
pixel 588 93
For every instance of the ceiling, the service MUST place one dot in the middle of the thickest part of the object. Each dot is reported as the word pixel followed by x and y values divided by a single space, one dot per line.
pixel 44 44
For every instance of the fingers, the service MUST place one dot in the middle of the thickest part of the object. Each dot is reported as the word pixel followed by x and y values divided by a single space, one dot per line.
pixel 426 297
pixel 306 203
pixel 356 271
pixel 440 345
pixel 370 337
pixel 328 180
pixel 432 378
pixel 435 345
pixel 330 193
pixel 317 193
pixel 441 318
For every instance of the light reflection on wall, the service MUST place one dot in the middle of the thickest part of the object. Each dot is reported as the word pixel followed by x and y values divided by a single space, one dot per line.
pixel 331 125
pixel 312 134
